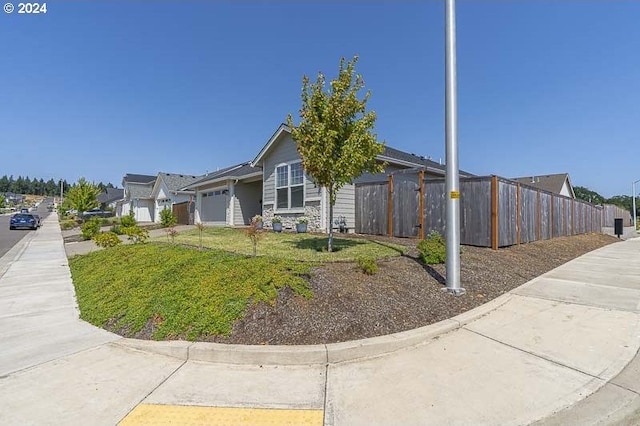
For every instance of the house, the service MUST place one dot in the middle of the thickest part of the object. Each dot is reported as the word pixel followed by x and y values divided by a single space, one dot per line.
pixel 557 183
pixel 287 191
pixel 231 196
pixel 109 198
pixel 168 190
pixel 137 197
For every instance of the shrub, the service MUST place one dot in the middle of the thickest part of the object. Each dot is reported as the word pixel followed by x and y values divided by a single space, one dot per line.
pixel 128 220
pixel 167 218
pixel 91 228
pixel 107 239
pixel 433 249
pixel 116 229
pixel 135 234
pixel 367 264
pixel 68 224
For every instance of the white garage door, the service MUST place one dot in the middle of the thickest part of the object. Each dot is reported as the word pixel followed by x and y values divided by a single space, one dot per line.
pixel 214 207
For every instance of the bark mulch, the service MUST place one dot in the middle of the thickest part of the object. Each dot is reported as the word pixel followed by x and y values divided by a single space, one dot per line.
pixel 402 295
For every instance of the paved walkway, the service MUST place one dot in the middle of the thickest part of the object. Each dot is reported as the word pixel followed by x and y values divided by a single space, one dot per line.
pixel 559 350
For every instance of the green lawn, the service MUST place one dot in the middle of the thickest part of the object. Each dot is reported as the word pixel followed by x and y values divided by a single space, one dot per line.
pixel 292 246
pixel 187 293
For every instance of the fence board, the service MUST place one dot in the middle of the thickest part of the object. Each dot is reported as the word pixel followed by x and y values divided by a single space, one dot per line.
pixel 371 208
pixel 507 228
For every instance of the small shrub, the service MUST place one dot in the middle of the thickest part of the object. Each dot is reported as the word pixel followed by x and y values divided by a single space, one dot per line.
pixel 128 221
pixel 167 218
pixel 367 264
pixel 256 218
pixel 201 227
pixel 254 232
pixel 68 224
pixel 303 219
pixel 135 234
pixel 276 219
pixel 171 234
pixel 91 228
pixel 433 249
pixel 116 229
pixel 107 239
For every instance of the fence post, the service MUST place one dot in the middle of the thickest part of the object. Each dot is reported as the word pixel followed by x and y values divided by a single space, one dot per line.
pixel 539 217
pixel 552 218
pixel 421 203
pixel 518 218
pixel 390 214
pixel 494 212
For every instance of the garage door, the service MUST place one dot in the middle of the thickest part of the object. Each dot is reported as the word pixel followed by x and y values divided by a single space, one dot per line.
pixel 214 207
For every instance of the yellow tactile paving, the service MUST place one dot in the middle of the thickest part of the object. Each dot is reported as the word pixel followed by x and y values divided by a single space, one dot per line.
pixel 160 415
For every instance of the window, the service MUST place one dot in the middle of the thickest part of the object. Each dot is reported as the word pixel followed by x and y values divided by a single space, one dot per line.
pixel 289 186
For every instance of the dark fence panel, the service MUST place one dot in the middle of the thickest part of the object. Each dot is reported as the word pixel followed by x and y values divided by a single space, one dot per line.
pixel 524 213
pixel 372 208
pixel 406 199
pixel 475 211
pixel 435 207
pixel 507 219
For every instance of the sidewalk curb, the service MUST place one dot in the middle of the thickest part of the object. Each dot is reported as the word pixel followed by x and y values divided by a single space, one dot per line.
pixel 15 252
pixel 323 354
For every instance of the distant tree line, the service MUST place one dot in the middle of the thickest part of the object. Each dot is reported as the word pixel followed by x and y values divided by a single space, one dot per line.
pixel 25 185
pixel 622 201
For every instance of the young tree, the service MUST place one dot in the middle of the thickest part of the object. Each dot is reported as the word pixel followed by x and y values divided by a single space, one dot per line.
pixel 334 137
pixel 82 196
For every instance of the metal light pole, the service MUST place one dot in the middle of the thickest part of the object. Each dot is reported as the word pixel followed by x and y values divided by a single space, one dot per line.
pixel 451 136
pixel 633 198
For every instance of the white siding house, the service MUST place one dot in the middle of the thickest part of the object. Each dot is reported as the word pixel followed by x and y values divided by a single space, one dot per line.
pixel 168 190
pixel 137 197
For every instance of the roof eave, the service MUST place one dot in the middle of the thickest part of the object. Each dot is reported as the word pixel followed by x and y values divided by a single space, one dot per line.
pixel 282 128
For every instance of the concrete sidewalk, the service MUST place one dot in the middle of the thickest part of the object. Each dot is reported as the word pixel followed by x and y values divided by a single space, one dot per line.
pixel 559 350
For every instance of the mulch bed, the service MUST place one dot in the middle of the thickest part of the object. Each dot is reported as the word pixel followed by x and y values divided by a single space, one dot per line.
pixel 404 294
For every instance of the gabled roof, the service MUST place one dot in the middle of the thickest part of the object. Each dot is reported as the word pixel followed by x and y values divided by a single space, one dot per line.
pixel 109 195
pixel 175 182
pixel 238 171
pixel 390 155
pixel 551 183
pixel 140 191
pixel 134 178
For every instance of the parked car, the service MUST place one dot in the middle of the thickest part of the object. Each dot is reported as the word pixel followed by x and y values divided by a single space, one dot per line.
pixel 38 219
pixel 24 210
pixel 97 212
pixel 23 220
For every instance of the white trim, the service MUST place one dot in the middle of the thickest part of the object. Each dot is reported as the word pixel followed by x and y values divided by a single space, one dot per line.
pixel 232 203
pixel 270 142
pixel 323 209
pixel 313 199
pixel 289 211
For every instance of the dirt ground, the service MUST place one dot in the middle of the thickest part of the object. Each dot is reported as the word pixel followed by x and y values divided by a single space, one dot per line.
pixel 402 295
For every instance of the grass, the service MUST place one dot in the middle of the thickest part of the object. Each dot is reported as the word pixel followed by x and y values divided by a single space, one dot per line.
pixel 290 246
pixel 181 292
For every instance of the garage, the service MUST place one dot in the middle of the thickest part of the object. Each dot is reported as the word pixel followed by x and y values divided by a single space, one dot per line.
pixel 214 206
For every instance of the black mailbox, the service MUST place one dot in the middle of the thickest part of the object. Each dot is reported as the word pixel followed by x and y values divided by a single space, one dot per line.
pixel 617 227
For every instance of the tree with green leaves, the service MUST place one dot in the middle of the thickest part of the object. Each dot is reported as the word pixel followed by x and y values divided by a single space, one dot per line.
pixel 82 196
pixel 585 194
pixel 334 137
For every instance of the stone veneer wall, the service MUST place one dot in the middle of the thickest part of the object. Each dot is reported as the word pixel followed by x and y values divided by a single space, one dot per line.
pixel 311 211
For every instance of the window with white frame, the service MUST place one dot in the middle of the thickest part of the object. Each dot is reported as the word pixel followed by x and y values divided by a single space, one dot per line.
pixel 289 186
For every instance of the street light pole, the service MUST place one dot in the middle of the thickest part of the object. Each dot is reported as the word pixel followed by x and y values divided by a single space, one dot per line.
pixel 633 201
pixel 451 135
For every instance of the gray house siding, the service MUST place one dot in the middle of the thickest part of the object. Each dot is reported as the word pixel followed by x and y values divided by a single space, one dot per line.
pixel 345 206
pixel 247 202
pixel 284 151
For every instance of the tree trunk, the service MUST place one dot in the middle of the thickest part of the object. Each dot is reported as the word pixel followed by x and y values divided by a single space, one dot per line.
pixel 330 245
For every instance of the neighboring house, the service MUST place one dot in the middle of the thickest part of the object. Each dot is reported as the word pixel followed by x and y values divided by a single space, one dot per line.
pixel 231 196
pixel 109 198
pixel 168 190
pixel 287 191
pixel 557 183
pixel 137 197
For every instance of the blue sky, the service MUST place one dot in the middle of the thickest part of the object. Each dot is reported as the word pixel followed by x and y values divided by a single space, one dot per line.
pixel 100 89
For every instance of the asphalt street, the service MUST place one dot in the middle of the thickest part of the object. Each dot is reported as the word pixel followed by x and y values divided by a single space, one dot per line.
pixel 9 238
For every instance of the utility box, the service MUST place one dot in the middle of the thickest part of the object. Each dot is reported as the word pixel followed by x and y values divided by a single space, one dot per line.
pixel 618 227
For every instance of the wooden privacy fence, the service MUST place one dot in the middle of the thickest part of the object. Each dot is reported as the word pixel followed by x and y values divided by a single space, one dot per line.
pixel 494 211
